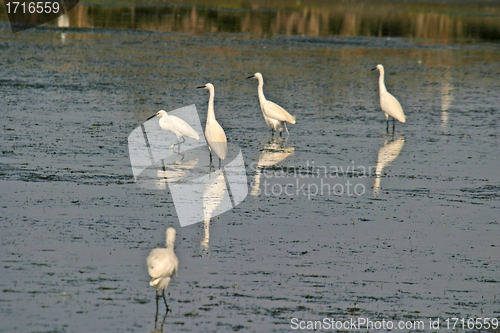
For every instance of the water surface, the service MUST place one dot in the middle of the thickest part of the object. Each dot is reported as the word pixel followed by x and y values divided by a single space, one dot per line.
pixel 420 242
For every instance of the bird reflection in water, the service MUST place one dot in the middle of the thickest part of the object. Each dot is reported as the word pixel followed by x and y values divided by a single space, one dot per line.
pixel 446 98
pixel 63 22
pixel 213 196
pixel 387 153
pixel 176 171
pixel 273 153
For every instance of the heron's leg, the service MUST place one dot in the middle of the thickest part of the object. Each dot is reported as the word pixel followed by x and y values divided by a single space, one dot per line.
pixel 393 124
pixel 387 127
pixel 165 301
pixel 288 133
pixel 157 298
pixel 220 162
pixel 179 142
pixel 210 157
pixel 272 131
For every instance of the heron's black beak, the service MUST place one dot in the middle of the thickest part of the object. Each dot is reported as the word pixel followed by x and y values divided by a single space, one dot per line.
pixel 152 116
pixel 201 87
pixel 374 69
pixel 251 76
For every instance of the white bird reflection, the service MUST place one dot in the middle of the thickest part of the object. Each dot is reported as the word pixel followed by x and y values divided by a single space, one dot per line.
pixel 211 188
pixel 387 153
pixel 158 177
pixel 446 98
pixel 177 170
pixel 273 153
pixel 63 22
pixel 213 196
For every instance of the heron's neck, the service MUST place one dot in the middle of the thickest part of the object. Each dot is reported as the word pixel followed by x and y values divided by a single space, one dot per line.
pixel 210 113
pixel 381 83
pixel 262 98
pixel 170 241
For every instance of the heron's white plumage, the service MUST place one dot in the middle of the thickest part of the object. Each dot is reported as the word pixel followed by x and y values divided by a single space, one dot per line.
pixel 274 111
pixel 162 263
pixel 389 104
pixel 214 133
pixel 274 115
pixel 176 125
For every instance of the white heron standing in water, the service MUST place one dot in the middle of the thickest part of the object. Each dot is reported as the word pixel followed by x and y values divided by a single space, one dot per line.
pixel 275 116
pixel 176 125
pixel 389 103
pixel 214 133
pixel 162 263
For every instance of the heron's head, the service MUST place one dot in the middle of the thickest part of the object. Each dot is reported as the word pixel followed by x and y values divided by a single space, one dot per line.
pixel 159 114
pixel 206 86
pixel 379 67
pixel 257 76
pixel 171 231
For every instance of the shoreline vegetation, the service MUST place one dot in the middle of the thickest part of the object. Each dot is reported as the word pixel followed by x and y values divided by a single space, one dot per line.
pixel 440 21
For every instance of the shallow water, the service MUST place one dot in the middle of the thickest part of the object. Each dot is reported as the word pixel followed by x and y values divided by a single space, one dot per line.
pixel 419 240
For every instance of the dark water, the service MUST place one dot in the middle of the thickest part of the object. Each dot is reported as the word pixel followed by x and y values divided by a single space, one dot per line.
pixel 418 240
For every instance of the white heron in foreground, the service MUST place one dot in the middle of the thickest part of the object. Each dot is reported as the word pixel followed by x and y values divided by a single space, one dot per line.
pixel 162 263
pixel 176 125
pixel 275 116
pixel 389 103
pixel 214 133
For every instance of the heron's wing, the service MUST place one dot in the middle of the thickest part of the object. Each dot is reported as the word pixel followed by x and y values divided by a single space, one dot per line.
pixel 391 106
pixel 216 138
pixel 162 263
pixel 274 111
pixel 182 127
pixel 166 125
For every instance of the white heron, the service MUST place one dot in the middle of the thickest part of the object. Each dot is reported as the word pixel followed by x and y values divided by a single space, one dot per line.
pixel 214 133
pixel 275 116
pixel 162 263
pixel 389 103
pixel 176 125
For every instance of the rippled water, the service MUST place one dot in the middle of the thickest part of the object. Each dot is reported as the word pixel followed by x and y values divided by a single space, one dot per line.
pixel 419 240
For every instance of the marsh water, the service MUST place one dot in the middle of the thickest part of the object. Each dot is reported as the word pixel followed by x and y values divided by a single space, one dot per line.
pixel 342 219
